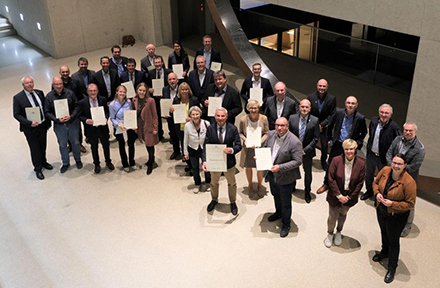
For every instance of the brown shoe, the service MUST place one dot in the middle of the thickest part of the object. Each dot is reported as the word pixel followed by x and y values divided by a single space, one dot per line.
pixel 83 149
pixel 110 166
pixel 174 156
pixel 97 169
pixel 322 189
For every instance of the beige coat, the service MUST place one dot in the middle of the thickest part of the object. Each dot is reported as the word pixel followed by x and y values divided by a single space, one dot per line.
pixel 242 130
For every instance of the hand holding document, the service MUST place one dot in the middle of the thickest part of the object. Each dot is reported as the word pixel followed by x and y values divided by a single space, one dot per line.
pixel 130 89
pixel 216 66
pixel 264 159
pixel 130 119
pixel 33 114
pixel 61 108
pixel 157 86
pixel 216 158
pixel 98 116
pixel 178 69
pixel 253 137
pixel 179 113
pixel 165 105
pixel 214 103
pixel 256 94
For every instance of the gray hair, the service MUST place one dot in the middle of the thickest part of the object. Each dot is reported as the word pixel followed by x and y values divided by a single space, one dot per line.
pixel 410 123
pixel 386 105
pixel 27 76
pixel 221 109
pixel 195 108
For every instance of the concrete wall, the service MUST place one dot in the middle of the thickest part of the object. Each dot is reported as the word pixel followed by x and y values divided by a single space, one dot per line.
pixel 415 17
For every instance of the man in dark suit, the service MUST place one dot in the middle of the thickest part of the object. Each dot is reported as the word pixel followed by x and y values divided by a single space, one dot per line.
pixel 222 132
pixel 200 78
pixel 306 128
pixel 382 131
pixel 96 133
pixel 170 92
pixel 287 152
pixel 208 52
pixel 148 61
pixel 69 82
pixel 106 79
pixel 323 107
pixel 159 72
pixel 345 124
pixel 118 62
pixel 135 76
pixel 230 97
pixel 256 81
pixel 35 133
pixel 279 105
pixel 83 76
pixel 66 127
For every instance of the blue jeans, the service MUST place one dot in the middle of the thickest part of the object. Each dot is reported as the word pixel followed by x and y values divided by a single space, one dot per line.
pixel 68 132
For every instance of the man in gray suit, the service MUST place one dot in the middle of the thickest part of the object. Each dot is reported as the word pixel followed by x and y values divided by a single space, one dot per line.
pixel 287 155
pixel 306 127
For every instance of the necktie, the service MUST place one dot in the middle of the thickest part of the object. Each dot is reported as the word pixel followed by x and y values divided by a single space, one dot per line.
pixel 158 75
pixel 131 77
pixel 220 135
pixel 94 103
pixel 37 105
pixel 302 129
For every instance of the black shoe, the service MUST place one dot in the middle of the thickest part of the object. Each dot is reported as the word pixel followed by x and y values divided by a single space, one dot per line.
pixel 284 231
pixel 110 166
pixel 187 168
pixel 366 195
pixel 79 165
pixel 234 209
pixel 389 277
pixel 211 205
pixel 39 175
pixel 174 156
pixel 379 257
pixel 274 217
pixel 64 168
pixel 47 166
pixel 149 169
pixel 97 169
pixel 308 198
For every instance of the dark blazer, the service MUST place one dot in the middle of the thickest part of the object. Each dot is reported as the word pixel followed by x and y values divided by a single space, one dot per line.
pixel 172 59
pixel 193 101
pixel 271 110
pixel 388 133
pixel 327 111
pixel 359 128
pixel 232 139
pixel 139 77
pixel 311 135
pixel 73 85
pixel 193 81
pixel 98 79
pixel 336 179
pixel 231 101
pixel 20 102
pixel 145 63
pixel 84 113
pixel 82 86
pixel 289 157
pixel 152 75
pixel 247 85
pixel 215 56
pixel 115 67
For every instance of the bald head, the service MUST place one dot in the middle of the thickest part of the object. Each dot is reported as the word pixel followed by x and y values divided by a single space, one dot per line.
pixel 57 84
pixel 150 50
pixel 322 87
pixel 64 73
pixel 172 80
pixel 304 107
pixel 280 90
pixel 351 104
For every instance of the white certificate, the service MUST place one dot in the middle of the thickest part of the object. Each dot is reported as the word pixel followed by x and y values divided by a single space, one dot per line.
pixel 216 158
pixel 179 113
pixel 165 105
pixel 264 159
pixel 130 89
pixel 214 103
pixel 98 116
pixel 157 86
pixel 256 94
pixel 130 119
pixel 151 67
pixel 253 137
pixel 61 108
pixel 33 114
pixel 178 69
pixel 216 66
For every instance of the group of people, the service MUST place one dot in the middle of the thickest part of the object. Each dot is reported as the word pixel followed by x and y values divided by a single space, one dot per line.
pixel 291 131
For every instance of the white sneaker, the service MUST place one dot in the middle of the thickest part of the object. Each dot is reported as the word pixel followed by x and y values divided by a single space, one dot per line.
pixel 328 240
pixel 126 169
pixel 338 238
pixel 134 167
pixel 196 189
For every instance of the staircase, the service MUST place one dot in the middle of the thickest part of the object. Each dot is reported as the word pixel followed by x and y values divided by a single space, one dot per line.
pixel 6 28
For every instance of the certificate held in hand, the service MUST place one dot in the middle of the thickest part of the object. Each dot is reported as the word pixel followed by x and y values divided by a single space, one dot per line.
pixel 61 108
pixel 253 137
pixel 130 89
pixel 165 105
pixel 130 119
pixel 216 158
pixel 256 94
pixel 98 116
pixel 178 69
pixel 179 113
pixel 157 86
pixel 216 66
pixel 33 114
pixel 214 103
pixel 264 159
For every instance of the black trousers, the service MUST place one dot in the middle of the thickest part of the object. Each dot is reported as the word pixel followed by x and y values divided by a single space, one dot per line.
pixel 173 135
pixel 131 135
pixel 336 151
pixel 37 141
pixel 94 139
pixel 373 161
pixel 159 118
pixel 282 195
